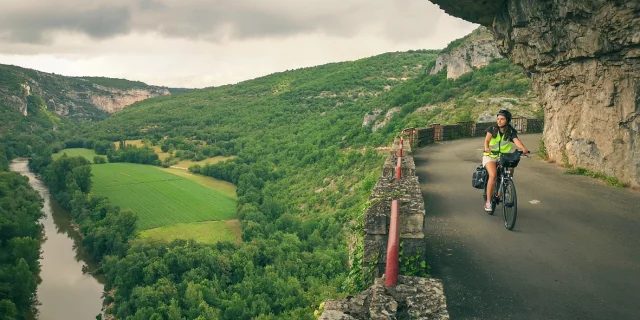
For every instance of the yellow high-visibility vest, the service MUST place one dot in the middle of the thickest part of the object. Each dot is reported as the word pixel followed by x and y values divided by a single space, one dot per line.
pixel 496 143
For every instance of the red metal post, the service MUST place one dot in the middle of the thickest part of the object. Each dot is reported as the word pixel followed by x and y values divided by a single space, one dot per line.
pixel 399 168
pixel 436 132
pixel 391 272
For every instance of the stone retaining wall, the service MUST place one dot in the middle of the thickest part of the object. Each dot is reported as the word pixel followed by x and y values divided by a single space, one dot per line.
pixel 412 297
pixel 411 206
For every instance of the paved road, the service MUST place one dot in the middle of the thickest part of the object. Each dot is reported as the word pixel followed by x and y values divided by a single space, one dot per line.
pixel 573 255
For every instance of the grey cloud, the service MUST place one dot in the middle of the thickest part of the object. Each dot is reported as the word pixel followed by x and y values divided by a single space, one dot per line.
pixel 220 19
pixel 150 5
pixel 34 25
pixel 256 19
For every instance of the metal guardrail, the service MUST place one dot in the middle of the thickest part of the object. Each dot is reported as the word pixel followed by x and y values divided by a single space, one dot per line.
pixel 393 247
pixel 436 132
pixel 393 243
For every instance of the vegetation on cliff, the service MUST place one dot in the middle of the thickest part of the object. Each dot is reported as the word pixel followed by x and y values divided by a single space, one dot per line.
pixel 303 164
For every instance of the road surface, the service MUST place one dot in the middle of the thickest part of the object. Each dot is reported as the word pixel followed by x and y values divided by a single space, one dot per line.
pixel 573 254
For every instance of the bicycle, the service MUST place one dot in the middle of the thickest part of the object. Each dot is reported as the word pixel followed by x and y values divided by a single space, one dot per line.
pixel 504 189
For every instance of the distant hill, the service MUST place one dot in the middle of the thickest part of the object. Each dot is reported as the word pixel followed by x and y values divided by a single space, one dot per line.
pixel 336 94
pixel 468 81
pixel 362 102
pixel 73 97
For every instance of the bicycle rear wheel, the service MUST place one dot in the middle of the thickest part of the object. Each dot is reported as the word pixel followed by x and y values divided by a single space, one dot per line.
pixel 509 204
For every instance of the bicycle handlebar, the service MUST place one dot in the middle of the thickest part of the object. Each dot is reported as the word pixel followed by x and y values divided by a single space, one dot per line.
pixel 517 151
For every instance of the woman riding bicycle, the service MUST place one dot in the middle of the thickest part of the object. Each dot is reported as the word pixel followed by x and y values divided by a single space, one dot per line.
pixel 498 140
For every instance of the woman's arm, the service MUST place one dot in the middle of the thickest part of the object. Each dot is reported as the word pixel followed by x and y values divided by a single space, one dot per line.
pixel 487 138
pixel 520 145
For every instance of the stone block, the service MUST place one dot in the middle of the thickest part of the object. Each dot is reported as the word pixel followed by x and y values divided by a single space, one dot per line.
pixel 411 298
pixel 375 248
pixel 411 224
pixel 376 221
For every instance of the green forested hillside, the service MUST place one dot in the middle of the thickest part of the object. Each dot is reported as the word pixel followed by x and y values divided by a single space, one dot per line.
pixel 304 165
pixel 304 168
pixel 464 99
pixel 20 135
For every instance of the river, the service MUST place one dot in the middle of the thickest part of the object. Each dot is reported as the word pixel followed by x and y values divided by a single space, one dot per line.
pixel 65 292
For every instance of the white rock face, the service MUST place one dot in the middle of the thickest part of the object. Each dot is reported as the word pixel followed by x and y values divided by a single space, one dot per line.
pixel 371 118
pixel 381 123
pixel 119 99
pixel 584 59
pixel 584 56
pixel 477 52
pixel 23 104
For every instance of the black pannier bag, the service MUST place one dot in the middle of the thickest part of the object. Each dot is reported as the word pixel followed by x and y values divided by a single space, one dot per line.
pixel 510 160
pixel 479 177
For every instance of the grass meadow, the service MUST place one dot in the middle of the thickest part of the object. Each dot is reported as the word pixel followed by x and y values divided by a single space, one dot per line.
pixel 160 198
pixel 138 143
pixel 226 188
pixel 203 232
pixel 184 164
pixel 213 160
pixel 74 152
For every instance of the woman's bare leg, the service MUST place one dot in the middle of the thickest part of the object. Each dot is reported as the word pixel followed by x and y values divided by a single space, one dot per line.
pixel 492 170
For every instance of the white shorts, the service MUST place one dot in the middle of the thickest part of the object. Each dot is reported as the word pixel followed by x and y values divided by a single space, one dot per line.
pixel 486 159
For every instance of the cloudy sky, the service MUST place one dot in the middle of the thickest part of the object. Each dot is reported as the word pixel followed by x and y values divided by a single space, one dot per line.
pixel 201 43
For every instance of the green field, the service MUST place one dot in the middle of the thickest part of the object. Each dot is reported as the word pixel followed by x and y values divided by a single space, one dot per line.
pixel 213 160
pixel 159 198
pixel 224 187
pixel 74 152
pixel 202 232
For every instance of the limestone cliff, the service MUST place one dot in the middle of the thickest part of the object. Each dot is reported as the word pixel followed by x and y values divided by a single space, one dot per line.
pixel 81 98
pixel 473 51
pixel 117 99
pixel 584 58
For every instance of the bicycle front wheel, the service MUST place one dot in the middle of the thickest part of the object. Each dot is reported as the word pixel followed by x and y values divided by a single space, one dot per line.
pixel 509 204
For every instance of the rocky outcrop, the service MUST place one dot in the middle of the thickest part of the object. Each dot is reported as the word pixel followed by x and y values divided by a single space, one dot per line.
pixel 411 298
pixel 482 12
pixel 371 117
pixel 27 92
pixel 69 96
pixel 103 98
pixel 117 100
pixel 584 59
pixel 475 52
pixel 387 117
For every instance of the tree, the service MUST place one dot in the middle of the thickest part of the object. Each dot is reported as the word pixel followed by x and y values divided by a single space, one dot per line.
pixel 8 310
pixel 26 248
pixel 82 177
pixel 24 288
pixel 99 160
pixel 4 162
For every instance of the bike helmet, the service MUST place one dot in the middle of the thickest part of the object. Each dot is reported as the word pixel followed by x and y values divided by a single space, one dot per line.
pixel 506 114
